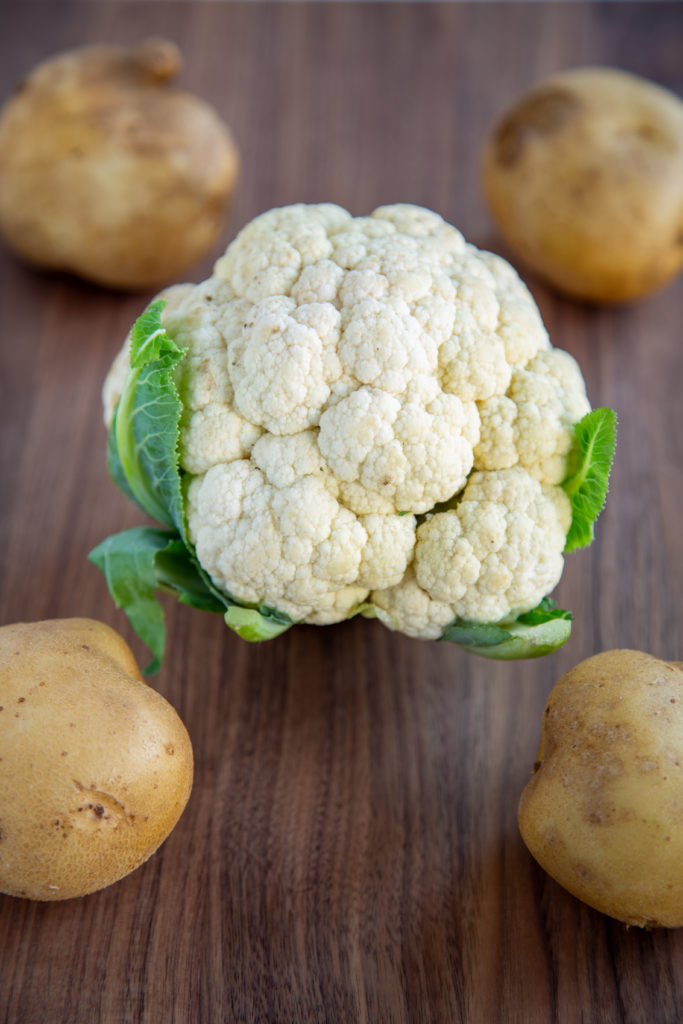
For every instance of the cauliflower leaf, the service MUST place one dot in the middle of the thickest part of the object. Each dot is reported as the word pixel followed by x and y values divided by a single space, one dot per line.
pixel 131 563
pixel 143 441
pixel 532 635
pixel 590 463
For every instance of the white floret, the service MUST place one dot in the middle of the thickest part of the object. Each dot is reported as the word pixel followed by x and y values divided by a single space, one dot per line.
pixel 283 460
pixel 269 254
pixel 356 246
pixel 337 605
pixel 389 549
pixel 284 363
pixel 532 426
pixel 408 608
pixel 499 551
pixel 384 346
pixel 293 547
pixel 206 318
pixel 318 282
pixel 212 435
pixel 472 359
pixel 203 378
pixel 436 309
pixel 419 222
pixel 407 455
pixel 519 322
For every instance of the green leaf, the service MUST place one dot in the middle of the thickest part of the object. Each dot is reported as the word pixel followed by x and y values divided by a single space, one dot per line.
pixel 128 560
pixel 143 441
pixel 115 466
pixel 587 482
pixel 254 624
pixel 178 570
pixel 543 612
pixel 148 339
pixel 532 635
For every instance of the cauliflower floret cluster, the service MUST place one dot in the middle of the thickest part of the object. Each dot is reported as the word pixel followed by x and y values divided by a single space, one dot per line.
pixel 483 559
pixel 373 414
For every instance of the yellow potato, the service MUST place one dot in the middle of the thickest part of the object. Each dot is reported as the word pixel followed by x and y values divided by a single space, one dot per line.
pixel 584 177
pixel 95 766
pixel 603 811
pixel 109 172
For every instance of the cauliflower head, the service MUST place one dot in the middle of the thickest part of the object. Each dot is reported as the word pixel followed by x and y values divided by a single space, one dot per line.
pixel 355 414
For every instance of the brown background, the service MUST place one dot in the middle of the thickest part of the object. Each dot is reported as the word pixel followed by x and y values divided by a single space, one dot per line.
pixel 350 850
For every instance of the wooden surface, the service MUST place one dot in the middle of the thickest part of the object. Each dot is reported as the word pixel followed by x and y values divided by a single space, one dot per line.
pixel 350 850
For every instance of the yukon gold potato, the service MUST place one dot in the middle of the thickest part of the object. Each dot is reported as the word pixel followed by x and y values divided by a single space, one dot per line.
pixel 108 171
pixel 603 811
pixel 95 766
pixel 584 176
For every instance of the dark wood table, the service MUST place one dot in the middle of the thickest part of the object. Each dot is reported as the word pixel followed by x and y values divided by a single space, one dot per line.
pixel 350 851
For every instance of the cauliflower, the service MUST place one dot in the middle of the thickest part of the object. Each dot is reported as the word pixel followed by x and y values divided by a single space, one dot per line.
pixel 354 414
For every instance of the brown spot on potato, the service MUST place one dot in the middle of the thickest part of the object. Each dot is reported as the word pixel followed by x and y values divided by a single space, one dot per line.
pixel 583 871
pixel 656 136
pixel 543 112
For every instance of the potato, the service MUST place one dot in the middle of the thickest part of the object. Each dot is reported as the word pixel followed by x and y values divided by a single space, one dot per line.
pixel 109 172
pixel 584 177
pixel 95 766
pixel 603 811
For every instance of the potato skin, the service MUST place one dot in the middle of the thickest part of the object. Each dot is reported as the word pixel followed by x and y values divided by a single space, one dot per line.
pixel 109 172
pixel 584 177
pixel 95 766
pixel 603 811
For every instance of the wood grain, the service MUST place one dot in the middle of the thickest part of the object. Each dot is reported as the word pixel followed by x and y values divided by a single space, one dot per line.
pixel 350 850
